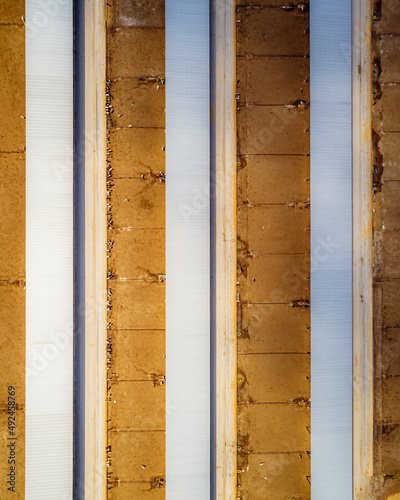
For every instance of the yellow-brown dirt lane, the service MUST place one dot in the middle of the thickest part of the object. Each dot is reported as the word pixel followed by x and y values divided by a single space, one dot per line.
pixel 273 252
pixel 136 249
pixel 12 238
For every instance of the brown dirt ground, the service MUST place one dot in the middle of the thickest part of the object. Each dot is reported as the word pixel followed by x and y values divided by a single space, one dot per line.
pixel 386 226
pixel 136 420
pixel 12 239
pixel 273 261
pixel 282 475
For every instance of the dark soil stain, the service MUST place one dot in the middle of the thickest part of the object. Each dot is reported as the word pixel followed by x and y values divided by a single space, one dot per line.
pixel 377 170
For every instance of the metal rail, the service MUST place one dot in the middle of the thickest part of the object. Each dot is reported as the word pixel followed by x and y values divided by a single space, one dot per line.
pixel 363 401
pixel 79 251
pixel 223 250
pixel 94 134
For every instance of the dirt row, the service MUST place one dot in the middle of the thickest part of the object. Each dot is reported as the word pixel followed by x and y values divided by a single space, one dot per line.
pixel 386 234
pixel 12 239
pixel 273 421
pixel 136 250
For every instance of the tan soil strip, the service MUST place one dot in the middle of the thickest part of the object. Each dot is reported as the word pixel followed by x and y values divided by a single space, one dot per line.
pixel 136 250
pixel 12 270
pixel 386 233
pixel 273 253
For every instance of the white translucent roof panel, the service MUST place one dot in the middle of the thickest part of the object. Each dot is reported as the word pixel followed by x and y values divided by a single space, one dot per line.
pixel 187 249
pixel 49 249
pixel 331 250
